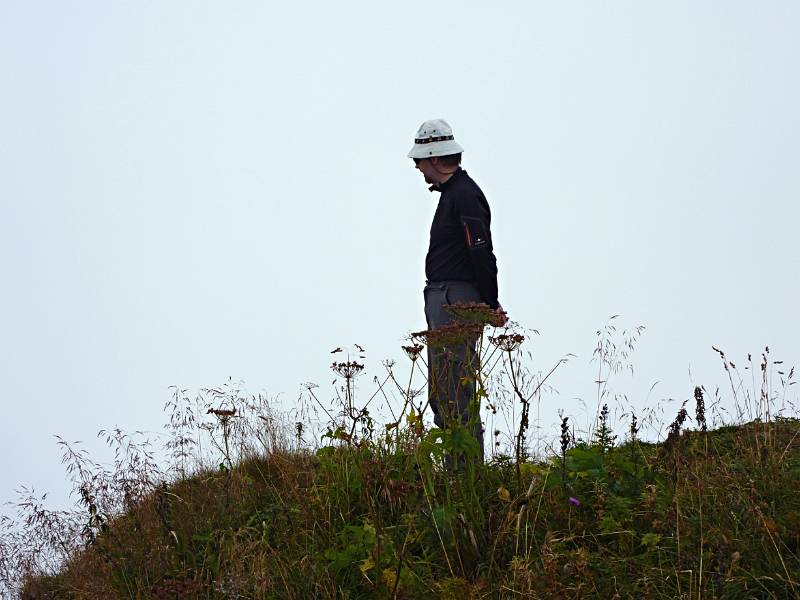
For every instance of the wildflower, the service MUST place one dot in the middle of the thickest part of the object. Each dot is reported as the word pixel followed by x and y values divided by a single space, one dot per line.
pixel 475 312
pixel 413 351
pixel 574 501
pixel 634 426
pixel 701 407
pixel 675 426
pixel 221 412
pixel 508 342
pixel 565 436
pixel 348 369
pixel 450 335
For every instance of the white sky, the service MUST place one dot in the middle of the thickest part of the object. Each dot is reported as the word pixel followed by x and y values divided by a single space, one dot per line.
pixel 191 191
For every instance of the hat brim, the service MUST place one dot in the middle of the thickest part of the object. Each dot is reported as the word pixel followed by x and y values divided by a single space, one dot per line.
pixel 432 149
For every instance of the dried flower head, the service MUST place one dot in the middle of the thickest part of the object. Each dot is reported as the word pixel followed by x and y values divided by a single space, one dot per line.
pixel 700 409
pixel 221 412
pixel 565 435
pixel 675 426
pixel 413 351
pixel 450 335
pixel 348 370
pixel 675 429
pixel 475 312
pixel 508 341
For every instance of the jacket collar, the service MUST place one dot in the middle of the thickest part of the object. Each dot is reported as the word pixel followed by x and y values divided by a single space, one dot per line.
pixel 442 187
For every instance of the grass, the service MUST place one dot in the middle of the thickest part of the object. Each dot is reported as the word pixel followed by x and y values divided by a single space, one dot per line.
pixel 248 509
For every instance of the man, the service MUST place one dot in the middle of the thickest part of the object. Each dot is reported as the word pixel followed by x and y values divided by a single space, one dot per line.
pixel 460 267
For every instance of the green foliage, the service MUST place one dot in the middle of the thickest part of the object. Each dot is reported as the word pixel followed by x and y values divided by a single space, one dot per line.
pixel 356 522
pixel 403 512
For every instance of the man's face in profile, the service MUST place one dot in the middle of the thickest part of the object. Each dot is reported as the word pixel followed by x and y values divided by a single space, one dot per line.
pixel 425 166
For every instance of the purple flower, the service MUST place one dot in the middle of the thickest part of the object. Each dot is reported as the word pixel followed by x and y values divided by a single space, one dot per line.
pixel 574 501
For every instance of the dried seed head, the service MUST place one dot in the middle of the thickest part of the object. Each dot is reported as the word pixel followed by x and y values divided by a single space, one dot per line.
pixel 221 412
pixel 675 428
pixel 348 370
pixel 508 342
pixel 634 429
pixel 413 351
pixel 475 312
pixel 565 435
pixel 450 335
pixel 700 409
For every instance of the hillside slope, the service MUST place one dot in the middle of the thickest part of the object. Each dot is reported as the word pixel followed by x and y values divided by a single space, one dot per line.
pixel 702 515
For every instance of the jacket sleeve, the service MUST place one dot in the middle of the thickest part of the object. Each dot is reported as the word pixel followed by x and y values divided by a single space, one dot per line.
pixel 473 213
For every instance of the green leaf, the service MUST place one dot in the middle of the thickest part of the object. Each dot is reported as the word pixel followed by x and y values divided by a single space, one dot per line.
pixel 443 516
pixel 651 540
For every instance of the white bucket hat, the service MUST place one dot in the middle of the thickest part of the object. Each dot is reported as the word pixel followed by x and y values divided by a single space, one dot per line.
pixel 434 138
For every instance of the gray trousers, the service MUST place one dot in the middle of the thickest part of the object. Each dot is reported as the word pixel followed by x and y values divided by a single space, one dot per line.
pixel 451 368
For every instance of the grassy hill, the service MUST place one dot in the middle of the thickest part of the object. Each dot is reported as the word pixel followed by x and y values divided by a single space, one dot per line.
pixel 249 509
pixel 702 515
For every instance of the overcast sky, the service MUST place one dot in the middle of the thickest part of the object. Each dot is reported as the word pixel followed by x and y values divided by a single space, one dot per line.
pixel 192 191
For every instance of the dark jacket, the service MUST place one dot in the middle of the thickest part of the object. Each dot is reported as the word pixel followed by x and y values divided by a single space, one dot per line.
pixel 461 240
